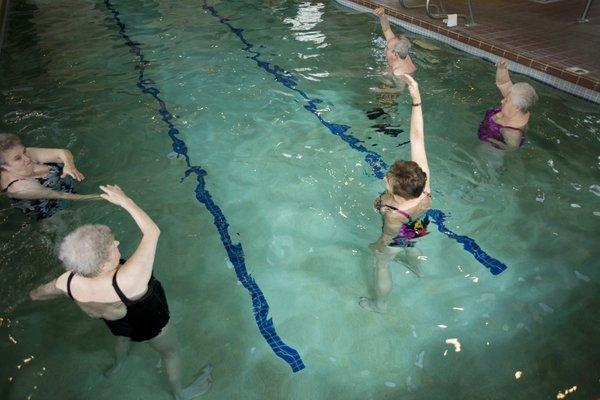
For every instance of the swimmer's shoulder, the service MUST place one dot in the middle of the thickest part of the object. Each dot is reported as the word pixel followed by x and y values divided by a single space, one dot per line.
pixel 61 282
pixel 5 179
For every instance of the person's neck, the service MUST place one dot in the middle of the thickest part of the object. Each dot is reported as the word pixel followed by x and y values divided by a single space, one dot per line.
pixel 22 173
pixel 109 268
pixel 399 199
pixel 513 114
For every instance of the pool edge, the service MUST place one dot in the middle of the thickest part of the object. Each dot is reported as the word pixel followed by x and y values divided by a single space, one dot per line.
pixel 541 76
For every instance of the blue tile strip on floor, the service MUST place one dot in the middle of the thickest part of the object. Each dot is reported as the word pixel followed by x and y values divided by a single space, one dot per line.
pixel 375 160
pixel 234 250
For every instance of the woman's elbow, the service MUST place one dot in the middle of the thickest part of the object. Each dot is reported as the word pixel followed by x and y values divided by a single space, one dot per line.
pixel 154 230
pixel 65 154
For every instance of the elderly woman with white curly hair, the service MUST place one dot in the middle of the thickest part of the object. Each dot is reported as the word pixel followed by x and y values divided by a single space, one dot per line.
pixel 504 127
pixel 124 294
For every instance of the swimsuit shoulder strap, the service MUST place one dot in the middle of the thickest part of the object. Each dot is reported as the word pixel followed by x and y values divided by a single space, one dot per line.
pixel 120 293
pixel 496 111
pixel 9 185
pixel 512 127
pixel 69 279
pixel 404 214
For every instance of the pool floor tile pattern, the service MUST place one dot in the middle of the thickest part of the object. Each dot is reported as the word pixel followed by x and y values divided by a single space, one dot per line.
pixel 545 37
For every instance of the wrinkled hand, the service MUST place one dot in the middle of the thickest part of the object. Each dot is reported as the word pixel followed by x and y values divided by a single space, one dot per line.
pixel 502 63
pixel 380 12
pixel 413 86
pixel 73 172
pixel 115 195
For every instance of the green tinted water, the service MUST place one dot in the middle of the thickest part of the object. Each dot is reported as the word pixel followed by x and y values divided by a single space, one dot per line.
pixel 300 200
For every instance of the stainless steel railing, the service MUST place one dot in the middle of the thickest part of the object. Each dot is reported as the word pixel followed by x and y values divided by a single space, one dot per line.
pixel 469 20
pixel 584 17
pixel 422 4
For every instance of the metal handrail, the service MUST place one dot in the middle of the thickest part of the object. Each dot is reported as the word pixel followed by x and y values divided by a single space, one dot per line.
pixel 422 5
pixel 469 21
pixel 584 17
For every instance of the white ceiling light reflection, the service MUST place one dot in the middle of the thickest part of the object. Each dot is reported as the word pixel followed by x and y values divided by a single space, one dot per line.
pixel 562 395
pixel 309 15
pixel 303 25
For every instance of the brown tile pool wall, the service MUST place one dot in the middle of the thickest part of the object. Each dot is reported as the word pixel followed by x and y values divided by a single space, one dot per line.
pixel 540 37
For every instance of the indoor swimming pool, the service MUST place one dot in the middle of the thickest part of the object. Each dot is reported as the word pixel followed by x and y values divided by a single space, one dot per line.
pixel 241 128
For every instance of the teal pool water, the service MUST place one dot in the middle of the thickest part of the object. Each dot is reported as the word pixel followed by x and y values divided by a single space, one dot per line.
pixel 299 201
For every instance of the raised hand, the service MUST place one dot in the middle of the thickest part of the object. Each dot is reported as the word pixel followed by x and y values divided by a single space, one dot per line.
pixel 502 63
pixel 115 195
pixel 380 12
pixel 413 87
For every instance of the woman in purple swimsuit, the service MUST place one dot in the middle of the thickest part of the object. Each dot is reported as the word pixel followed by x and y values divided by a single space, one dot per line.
pixel 402 206
pixel 504 127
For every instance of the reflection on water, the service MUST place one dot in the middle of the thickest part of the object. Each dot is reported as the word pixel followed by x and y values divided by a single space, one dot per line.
pixel 308 17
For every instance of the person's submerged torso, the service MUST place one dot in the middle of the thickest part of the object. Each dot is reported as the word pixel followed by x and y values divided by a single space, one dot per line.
pixel 490 129
pixel 110 311
pixel 410 223
pixel 399 66
pixel 141 317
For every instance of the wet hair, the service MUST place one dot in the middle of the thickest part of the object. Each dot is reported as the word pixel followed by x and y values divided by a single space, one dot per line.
pixel 7 142
pixel 86 249
pixel 523 96
pixel 401 46
pixel 406 179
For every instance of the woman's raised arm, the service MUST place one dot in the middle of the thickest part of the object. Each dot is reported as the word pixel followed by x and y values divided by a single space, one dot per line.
pixel 135 273
pixel 417 135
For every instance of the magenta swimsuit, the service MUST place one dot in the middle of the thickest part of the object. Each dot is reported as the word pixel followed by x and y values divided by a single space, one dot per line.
pixel 489 129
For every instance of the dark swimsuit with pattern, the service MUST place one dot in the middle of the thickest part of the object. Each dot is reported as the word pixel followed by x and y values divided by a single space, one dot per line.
pixel 410 230
pixel 44 208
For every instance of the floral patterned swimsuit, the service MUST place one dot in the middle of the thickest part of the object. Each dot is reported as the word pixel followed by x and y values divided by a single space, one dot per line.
pixel 408 230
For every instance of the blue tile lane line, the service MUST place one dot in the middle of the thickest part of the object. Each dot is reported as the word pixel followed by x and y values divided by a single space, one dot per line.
pixel 234 250
pixel 374 159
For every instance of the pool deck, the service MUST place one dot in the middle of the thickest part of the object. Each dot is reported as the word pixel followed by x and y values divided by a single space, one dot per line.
pixel 544 39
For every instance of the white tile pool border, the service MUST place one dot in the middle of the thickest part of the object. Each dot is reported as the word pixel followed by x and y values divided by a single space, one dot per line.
pixel 548 79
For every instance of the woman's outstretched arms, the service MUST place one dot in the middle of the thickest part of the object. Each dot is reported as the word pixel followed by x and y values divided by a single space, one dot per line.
pixel 31 190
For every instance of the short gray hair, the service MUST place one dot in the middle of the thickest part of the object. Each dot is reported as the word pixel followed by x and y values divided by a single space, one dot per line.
pixel 523 96
pixel 7 142
pixel 86 249
pixel 402 46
